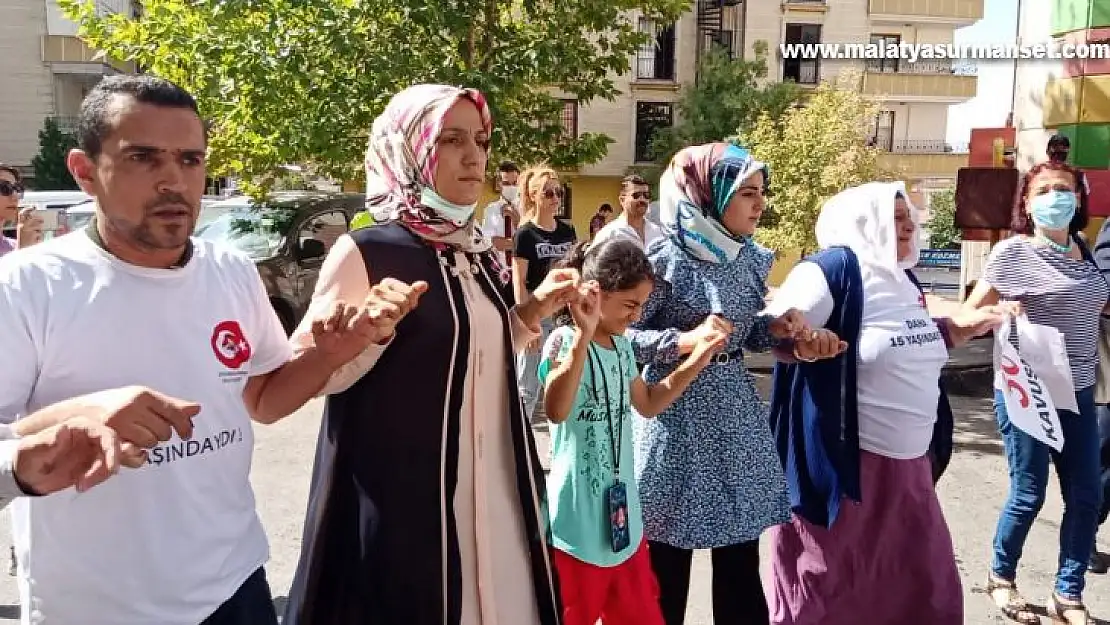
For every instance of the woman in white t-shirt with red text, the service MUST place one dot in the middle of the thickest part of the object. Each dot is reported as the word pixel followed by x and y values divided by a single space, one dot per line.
pixel 872 426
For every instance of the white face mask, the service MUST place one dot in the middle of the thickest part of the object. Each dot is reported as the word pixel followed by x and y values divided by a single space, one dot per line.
pixel 511 193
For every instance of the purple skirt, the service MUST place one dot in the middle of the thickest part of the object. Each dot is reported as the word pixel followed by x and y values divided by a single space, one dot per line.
pixel 886 560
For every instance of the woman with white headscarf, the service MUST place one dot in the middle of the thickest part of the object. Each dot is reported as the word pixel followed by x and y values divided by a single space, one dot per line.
pixel 427 504
pixel 871 425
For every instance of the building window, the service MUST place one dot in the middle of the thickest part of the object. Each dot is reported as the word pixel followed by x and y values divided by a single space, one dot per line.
pixel 882 135
pixel 566 208
pixel 651 117
pixel 885 64
pixel 570 118
pixel 804 68
pixel 655 60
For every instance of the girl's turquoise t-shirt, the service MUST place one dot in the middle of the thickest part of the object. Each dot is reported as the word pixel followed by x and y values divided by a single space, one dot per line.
pixel 582 453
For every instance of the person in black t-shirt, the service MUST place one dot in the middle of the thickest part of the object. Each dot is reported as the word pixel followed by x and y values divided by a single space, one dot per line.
pixel 539 242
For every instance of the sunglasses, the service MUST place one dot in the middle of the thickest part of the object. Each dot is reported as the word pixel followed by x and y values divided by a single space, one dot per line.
pixel 640 195
pixel 553 193
pixel 10 188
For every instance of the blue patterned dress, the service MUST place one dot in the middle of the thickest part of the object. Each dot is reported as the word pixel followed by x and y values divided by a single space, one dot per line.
pixel 707 468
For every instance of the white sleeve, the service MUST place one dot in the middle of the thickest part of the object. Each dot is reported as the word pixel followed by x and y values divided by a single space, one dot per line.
pixel 18 346
pixel 490 225
pixel 806 290
pixel 270 348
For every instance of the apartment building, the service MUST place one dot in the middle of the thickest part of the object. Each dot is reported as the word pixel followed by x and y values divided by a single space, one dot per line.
pixel 915 97
pixel 47 72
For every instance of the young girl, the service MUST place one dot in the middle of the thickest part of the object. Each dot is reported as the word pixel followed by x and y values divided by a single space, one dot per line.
pixel 591 385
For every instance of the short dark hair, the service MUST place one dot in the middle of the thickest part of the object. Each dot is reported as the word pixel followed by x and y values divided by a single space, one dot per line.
pixel 13 171
pixel 633 180
pixel 508 167
pixel 1019 218
pixel 95 123
pixel 605 207
pixel 1059 141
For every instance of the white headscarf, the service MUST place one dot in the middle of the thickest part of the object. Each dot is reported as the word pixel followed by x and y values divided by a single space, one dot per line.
pixel 862 219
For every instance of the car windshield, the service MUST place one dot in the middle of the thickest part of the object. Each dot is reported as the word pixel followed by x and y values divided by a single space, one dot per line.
pixel 259 232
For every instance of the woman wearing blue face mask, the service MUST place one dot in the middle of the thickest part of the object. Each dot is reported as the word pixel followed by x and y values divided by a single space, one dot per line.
pixel 1049 274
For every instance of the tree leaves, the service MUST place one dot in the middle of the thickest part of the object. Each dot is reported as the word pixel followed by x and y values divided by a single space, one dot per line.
pixel 51 173
pixel 943 232
pixel 727 99
pixel 814 152
pixel 300 81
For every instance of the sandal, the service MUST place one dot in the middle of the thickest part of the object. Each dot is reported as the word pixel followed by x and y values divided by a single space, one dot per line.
pixel 1068 611
pixel 1005 595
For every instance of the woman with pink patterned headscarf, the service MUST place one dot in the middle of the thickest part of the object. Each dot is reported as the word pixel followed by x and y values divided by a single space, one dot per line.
pixel 427 502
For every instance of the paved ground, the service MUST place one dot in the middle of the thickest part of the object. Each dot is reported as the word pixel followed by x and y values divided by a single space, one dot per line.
pixel 971 493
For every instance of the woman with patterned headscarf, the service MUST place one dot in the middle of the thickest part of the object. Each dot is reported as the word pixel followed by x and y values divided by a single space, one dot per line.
pixel 706 467
pixel 864 436
pixel 427 501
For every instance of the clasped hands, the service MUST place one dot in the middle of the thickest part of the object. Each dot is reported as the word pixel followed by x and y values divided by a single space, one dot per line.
pixel 810 344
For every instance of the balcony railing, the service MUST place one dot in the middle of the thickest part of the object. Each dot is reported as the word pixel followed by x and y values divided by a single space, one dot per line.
pixel 896 66
pixel 66 123
pixel 922 146
pixel 961 11
pixel 801 71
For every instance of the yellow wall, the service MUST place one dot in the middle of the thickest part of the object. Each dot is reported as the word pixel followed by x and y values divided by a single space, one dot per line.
pixel 1061 101
pixel 1095 103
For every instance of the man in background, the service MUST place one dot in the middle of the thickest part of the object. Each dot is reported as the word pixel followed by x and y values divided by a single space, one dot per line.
pixel 633 223
pixel 600 218
pixel 502 215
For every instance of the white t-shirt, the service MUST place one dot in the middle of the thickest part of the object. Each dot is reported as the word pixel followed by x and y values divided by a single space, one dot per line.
pixel 169 542
pixel 493 219
pixel 620 227
pixel 901 353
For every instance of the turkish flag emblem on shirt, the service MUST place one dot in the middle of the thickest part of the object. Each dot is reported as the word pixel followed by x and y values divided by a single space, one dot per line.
pixel 230 344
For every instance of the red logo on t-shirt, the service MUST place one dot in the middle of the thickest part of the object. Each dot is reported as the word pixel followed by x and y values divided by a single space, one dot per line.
pixel 230 344
pixel 921 300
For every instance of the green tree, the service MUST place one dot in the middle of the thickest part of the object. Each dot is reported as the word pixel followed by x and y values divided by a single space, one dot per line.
pixel 943 232
pixel 728 97
pixel 814 152
pixel 300 81
pixel 49 164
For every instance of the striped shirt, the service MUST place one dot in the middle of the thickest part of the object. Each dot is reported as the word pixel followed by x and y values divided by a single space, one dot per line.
pixel 1057 291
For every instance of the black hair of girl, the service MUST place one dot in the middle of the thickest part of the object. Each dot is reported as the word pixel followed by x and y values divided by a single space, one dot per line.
pixel 615 263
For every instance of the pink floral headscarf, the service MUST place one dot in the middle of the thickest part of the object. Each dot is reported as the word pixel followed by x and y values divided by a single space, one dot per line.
pixel 401 162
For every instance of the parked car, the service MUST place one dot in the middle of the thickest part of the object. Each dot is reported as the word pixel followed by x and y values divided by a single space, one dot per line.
pixel 287 236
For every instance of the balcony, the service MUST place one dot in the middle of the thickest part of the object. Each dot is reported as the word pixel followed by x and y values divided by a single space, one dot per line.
pixel 68 54
pixel 924 81
pixel 955 12
pixel 805 6
pixel 922 158
pixel 66 123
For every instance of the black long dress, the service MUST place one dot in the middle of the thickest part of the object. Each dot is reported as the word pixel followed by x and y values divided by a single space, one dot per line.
pixel 376 550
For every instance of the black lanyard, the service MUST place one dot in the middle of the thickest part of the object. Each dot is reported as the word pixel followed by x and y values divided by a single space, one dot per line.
pixel 616 431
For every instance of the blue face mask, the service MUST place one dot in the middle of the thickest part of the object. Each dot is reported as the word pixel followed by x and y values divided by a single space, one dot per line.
pixel 457 214
pixel 1053 210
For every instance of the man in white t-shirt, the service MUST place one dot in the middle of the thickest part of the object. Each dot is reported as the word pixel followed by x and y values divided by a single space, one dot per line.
pixel 501 216
pixel 635 197
pixel 134 300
